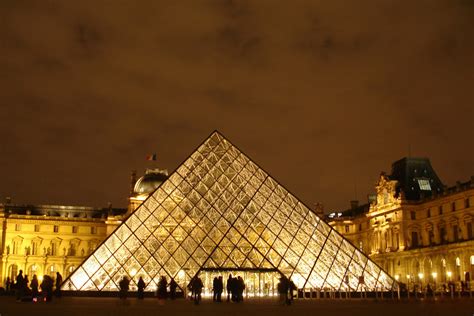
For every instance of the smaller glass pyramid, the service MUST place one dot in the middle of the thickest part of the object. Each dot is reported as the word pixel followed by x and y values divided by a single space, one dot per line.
pixel 219 211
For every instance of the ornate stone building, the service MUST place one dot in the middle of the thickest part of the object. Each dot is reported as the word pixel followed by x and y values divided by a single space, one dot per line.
pixel 417 229
pixel 45 239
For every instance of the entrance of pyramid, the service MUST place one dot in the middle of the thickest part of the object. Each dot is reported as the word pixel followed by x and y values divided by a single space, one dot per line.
pixel 258 282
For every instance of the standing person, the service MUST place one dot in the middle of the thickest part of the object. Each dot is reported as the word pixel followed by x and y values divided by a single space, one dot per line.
pixel 191 287
pixel 59 281
pixel 220 288
pixel 214 289
pixel 141 288
pixel 229 287
pixel 34 287
pixel 47 288
pixel 173 287
pixel 162 291
pixel 197 287
pixel 20 286
pixel 291 288
pixel 282 289
pixel 240 287
pixel 124 285
pixel 8 284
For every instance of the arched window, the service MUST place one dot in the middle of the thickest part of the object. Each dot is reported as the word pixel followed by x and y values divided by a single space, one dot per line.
pixel 33 270
pixel 472 260
pixel 458 262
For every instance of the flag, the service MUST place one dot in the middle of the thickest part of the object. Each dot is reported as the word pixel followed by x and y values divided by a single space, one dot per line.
pixel 151 157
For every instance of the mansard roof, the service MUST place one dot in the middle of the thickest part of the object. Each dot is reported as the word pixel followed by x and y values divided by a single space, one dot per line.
pixel 416 178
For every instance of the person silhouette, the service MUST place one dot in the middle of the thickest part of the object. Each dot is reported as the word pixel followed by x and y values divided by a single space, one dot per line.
pixel 141 288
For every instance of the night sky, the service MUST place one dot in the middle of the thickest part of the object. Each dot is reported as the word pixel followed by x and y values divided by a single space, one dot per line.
pixel 324 95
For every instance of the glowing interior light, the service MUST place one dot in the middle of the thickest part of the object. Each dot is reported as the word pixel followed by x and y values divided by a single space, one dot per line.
pixel 420 275
pixel 449 274
pixel 434 274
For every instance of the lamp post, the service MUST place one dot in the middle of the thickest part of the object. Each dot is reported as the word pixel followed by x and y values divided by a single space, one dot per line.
pixel 420 277
pixel 434 275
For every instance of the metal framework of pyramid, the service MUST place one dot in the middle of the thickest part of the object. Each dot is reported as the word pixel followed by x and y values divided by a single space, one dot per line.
pixel 219 210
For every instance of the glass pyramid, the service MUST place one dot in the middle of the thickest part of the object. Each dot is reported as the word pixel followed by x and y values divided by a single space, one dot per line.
pixel 220 211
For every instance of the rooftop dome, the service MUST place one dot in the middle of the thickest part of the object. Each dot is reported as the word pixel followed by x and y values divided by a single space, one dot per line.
pixel 152 179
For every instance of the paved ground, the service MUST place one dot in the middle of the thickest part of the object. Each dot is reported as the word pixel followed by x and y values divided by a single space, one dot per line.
pixel 70 306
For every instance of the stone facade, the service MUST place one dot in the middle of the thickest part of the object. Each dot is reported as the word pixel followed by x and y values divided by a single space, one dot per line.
pixel 429 240
pixel 45 239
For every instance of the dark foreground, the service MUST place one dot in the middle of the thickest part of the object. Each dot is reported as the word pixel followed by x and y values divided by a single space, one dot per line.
pixel 69 306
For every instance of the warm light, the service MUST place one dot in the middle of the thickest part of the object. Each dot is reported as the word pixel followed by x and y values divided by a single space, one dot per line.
pixel 181 274
pixel 449 274
pixel 408 276
pixel 40 278
pixel 434 274
pixel 420 275
pixel 397 277
pixel 133 272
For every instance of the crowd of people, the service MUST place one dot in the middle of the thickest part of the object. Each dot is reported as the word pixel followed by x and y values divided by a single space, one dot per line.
pixel 161 291
pixel 34 291
pixel 26 290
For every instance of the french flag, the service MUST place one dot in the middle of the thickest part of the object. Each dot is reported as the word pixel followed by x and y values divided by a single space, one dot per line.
pixel 151 157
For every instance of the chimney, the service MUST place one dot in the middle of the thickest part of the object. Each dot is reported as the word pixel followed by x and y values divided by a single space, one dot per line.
pixel 354 204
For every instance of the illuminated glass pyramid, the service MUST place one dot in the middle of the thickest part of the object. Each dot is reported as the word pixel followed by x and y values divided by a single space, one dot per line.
pixel 219 210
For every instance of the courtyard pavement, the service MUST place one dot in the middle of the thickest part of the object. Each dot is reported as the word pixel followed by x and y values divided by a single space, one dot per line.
pixel 91 306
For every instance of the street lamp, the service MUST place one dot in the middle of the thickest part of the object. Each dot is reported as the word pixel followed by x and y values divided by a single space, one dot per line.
pixel 449 274
pixel 434 274
pixel 420 276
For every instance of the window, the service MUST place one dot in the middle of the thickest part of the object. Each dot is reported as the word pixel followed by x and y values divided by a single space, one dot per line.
pixel 74 229
pixel 37 228
pixel 440 210
pixel 72 250
pixel 54 249
pixel 361 246
pixel 442 235
pixel 430 237
pixel 17 227
pixel 15 247
pixel 34 248
pixel 360 227
pixel 469 230
pixel 414 239
pixel 412 215
pixel 93 230
pixel 453 206
pixel 458 262
pixel 56 228
pixel 428 213
pixel 467 204
pixel 424 184
pixel 346 228
pixel 455 233
pixel 472 260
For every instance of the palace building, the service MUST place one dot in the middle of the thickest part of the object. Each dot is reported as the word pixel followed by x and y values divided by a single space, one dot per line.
pixel 45 239
pixel 416 228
